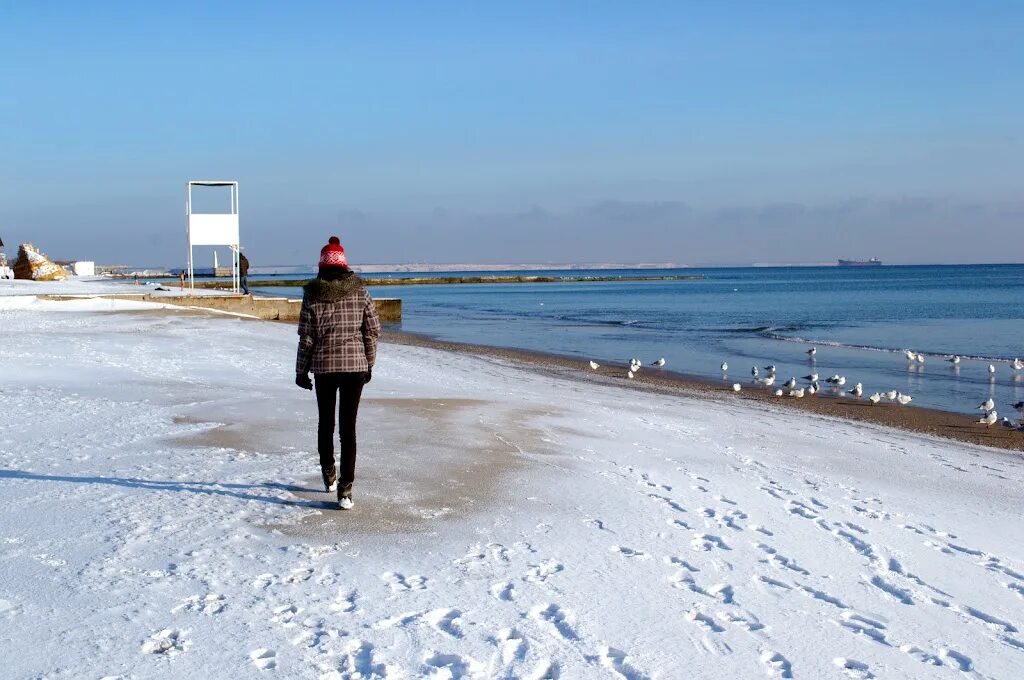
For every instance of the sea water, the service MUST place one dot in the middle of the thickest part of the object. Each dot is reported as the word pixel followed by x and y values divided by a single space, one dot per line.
pixel 860 320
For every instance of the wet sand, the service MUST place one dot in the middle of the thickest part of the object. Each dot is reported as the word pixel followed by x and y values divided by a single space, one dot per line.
pixel 911 418
pixel 420 460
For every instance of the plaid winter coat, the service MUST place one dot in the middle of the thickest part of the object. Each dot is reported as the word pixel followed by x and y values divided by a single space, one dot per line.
pixel 338 327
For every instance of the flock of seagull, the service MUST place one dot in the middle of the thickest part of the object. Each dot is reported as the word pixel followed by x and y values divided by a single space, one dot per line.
pixel 812 385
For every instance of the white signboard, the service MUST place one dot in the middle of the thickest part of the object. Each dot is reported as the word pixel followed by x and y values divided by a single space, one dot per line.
pixel 213 229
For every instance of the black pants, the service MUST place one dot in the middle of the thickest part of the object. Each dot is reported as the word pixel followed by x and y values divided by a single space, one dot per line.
pixel 343 390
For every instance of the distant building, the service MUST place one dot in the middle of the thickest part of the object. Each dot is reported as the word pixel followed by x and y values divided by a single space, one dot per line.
pixel 84 268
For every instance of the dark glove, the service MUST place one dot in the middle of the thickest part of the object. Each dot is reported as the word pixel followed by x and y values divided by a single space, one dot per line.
pixel 367 376
pixel 303 381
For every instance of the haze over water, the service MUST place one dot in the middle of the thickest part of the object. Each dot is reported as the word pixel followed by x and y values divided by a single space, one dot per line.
pixel 860 319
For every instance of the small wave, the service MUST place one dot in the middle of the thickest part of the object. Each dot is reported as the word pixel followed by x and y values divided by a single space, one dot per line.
pixel 887 350
pixel 585 321
pixel 757 330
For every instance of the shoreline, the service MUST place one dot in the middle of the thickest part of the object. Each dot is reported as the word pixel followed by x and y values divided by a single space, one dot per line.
pixel 371 282
pixel 916 419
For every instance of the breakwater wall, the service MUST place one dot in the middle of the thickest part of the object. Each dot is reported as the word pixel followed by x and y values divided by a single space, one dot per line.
pixel 448 280
pixel 268 308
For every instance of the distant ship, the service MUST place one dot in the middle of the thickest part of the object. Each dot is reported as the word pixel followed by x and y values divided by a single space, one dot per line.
pixel 873 262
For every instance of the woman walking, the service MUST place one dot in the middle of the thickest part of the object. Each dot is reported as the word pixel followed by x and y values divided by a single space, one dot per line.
pixel 338 329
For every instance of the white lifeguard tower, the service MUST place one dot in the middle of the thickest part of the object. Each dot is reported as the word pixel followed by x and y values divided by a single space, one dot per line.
pixel 213 229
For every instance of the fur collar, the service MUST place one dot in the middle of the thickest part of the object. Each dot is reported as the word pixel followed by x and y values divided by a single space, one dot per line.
pixel 319 290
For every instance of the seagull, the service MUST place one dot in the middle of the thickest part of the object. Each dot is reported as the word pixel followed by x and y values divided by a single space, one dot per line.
pixel 989 419
pixel 955 359
pixel 659 363
pixel 778 392
pixel 920 358
pixel 769 381
pixel 1005 422
pixel 811 390
pixel 791 383
pixel 1017 364
pixel 770 368
pixel 634 366
pixel 629 374
pixel 1019 406
pixel 816 386
pixel 813 377
pixel 904 399
pixel 857 390
pixel 753 371
pixel 837 379
pixel 797 393
pixel 891 395
pixel 812 351
pixel 725 366
pixel 991 369
pixel 910 355
pixel 987 405
pixel 736 387
pixel 875 398
pixel 594 365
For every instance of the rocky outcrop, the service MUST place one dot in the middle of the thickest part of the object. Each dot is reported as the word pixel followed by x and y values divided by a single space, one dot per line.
pixel 32 264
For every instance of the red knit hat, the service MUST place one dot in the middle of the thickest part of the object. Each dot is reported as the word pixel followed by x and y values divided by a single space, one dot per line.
pixel 332 254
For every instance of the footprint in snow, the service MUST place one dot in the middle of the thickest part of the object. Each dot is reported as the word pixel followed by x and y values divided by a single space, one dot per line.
pixel 358 660
pixel 539 573
pixel 703 620
pixel 801 510
pixel 298 576
pixel 748 622
pixel 558 619
pixel 445 621
pixel 630 552
pixel 285 613
pixel 345 602
pixel 680 562
pixel 779 560
pixel 862 625
pixel 921 655
pixel 503 590
pixel 615 660
pixel 895 592
pixel 546 670
pixel 456 665
pixel 264 659
pixel 767 580
pixel 168 642
pixel 263 581
pixel 853 668
pixel 776 665
pixel 704 542
pixel 400 583
pixel 208 605
pixel 722 591
pixel 823 596
pixel 511 645
pixel 956 659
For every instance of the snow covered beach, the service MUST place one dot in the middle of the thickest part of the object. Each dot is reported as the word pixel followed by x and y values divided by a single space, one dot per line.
pixel 162 518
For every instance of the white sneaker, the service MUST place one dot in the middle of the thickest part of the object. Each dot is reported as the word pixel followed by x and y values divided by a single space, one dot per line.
pixel 345 503
pixel 333 487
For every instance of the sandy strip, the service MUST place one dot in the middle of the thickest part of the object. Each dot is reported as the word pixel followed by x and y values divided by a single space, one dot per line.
pixel 911 418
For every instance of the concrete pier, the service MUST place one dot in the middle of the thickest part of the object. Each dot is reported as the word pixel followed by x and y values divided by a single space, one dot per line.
pixel 268 308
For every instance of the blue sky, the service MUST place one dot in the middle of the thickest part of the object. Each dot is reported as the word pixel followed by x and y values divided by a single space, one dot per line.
pixel 694 132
